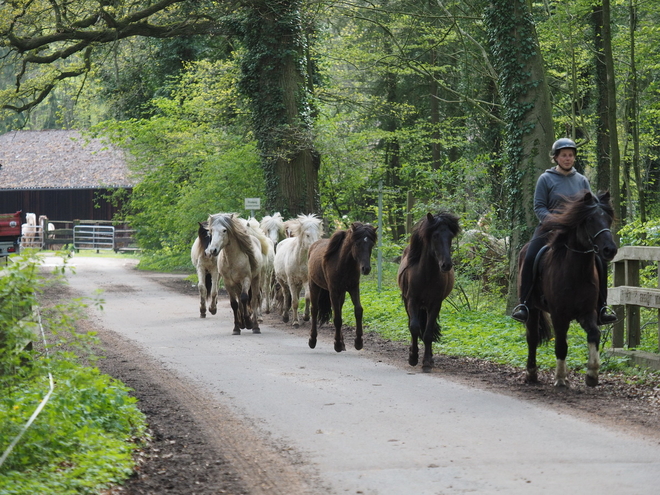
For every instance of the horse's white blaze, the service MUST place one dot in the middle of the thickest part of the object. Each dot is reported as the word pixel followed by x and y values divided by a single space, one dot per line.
pixel 560 374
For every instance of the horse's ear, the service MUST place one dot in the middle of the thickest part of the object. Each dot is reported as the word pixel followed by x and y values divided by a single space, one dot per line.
pixel 604 197
pixel 429 217
pixel 588 197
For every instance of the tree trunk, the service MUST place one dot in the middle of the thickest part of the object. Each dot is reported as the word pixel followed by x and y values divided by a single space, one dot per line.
pixel 526 98
pixel 602 126
pixel 615 155
pixel 274 78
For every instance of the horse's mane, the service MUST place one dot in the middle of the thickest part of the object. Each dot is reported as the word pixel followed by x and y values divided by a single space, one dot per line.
pixel 204 239
pixel 574 213
pixel 357 230
pixel 423 230
pixel 273 222
pixel 304 223
pixel 255 229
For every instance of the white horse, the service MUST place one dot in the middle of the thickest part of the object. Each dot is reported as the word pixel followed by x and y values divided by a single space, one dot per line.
pixel 239 263
pixel 29 232
pixel 291 264
pixel 268 258
pixel 273 227
pixel 207 271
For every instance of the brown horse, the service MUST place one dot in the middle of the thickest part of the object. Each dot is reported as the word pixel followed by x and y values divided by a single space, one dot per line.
pixel 334 267
pixel 426 278
pixel 567 283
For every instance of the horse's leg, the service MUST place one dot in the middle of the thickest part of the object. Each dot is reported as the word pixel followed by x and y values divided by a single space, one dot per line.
pixel 308 303
pixel 337 302
pixel 357 305
pixel 295 301
pixel 213 308
pixel 413 326
pixel 201 287
pixel 286 306
pixel 256 303
pixel 244 304
pixel 429 336
pixel 593 342
pixel 314 295
pixel 561 350
pixel 533 336
pixel 233 302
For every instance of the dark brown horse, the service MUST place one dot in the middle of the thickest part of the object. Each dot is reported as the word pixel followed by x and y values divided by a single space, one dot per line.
pixel 334 267
pixel 567 283
pixel 426 277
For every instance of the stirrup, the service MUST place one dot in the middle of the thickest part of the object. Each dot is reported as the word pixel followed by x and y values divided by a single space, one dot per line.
pixel 520 313
pixel 607 316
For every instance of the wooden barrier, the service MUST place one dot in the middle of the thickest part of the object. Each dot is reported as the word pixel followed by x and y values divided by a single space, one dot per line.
pixel 627 296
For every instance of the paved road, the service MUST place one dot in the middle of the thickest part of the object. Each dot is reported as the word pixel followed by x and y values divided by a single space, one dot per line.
pixel 365 426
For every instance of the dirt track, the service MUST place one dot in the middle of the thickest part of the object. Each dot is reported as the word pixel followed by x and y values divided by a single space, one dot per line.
pixel 200 447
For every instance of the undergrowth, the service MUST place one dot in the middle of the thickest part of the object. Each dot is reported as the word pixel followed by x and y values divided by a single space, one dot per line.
pixel 83 438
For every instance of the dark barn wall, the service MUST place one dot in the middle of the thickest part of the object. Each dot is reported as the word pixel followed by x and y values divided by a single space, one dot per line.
pixel 59 204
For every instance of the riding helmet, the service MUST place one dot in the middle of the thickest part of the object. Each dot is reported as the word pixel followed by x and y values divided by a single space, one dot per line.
pixel 561 144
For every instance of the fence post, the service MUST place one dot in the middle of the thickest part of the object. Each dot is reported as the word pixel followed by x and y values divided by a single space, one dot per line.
pixel 619 326
pixel 632 312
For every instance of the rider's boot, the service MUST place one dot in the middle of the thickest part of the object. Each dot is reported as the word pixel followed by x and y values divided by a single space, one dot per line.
pixel 606 316
pixel 521 312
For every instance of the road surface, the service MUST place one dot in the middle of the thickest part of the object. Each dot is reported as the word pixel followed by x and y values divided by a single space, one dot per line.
pixel 360 426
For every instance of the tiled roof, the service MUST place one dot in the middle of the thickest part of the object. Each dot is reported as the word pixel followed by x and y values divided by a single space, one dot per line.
pixel 57 159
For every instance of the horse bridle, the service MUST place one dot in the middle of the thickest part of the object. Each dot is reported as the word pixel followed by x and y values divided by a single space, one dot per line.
pixel 594 248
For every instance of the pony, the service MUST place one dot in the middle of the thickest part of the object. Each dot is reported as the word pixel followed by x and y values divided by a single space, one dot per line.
pixel 291 264
pixel 566 284
pixel 273 227
pixel 426 278
pixel 268 258
pixel 207 270
pixel 239 263
pixel 334 267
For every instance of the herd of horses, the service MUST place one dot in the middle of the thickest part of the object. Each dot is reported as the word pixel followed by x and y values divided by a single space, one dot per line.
pixel 269 263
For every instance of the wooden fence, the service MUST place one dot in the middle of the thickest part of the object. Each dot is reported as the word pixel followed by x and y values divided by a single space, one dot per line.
pixel 627 297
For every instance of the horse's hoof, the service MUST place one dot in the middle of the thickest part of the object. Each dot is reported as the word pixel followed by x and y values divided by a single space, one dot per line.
pixel 213 310
pixel 340 346
pixel 413 360
pixel 256 330
pixel 285 318
pixel 237 331
pixel 426 368
pixel 358 343
pixel 563 384
pixel 202 315
pixel 591 381
pixel 306 318
pixel 296 325
pixel 312 343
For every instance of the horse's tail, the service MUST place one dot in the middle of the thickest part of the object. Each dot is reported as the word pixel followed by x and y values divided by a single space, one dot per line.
pixel 208 281
pixel 545 330
pixel 325 308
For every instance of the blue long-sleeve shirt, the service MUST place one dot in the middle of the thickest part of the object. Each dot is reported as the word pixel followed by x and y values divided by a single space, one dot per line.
pixel 553 187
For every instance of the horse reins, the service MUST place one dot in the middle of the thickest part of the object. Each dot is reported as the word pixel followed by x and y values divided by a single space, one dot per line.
pixel 594 248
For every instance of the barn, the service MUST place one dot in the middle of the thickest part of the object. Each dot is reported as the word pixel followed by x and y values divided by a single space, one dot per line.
pixel 60 174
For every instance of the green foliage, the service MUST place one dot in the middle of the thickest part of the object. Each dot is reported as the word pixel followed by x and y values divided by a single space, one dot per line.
pixel 192 159
pixel 83 438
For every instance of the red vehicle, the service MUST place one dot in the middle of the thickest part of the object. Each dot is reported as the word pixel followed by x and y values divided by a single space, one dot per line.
pixel 10 233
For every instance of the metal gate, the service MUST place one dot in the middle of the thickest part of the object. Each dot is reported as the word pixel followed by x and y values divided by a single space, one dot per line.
pixel 93 237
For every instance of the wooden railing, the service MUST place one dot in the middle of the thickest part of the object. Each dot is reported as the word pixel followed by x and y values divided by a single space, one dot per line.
pixel 627 296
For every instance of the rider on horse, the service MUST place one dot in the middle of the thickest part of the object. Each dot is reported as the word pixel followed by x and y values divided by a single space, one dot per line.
pixel 552 188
